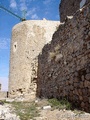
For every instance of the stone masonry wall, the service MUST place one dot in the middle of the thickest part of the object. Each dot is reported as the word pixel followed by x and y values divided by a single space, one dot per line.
pixel 64 65
pixel 28 39
pixel 69 7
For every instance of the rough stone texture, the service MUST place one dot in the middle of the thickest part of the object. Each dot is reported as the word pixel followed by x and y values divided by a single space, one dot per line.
pixel 6 113
pixel 28 39
pixel 64 65
pixel 68 8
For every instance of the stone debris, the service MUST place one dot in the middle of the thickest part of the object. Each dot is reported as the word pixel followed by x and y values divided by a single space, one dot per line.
pixel 6 113
pixel 46 107
pixel 10 100
pixel 62 115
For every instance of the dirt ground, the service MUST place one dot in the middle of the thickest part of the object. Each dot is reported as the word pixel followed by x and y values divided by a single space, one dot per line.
pixel 56 114
pixel 62 115
pixel 45 114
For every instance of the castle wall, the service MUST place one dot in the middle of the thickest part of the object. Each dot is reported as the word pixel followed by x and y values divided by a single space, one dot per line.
pixel 28 39
pixel 64 65
pixel 68 8
pixel 0 87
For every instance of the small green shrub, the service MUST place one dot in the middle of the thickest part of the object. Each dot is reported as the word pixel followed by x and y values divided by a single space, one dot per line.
pixel 59 104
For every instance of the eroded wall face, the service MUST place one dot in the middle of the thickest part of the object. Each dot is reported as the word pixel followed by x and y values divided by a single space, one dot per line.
pixel 64 65
pixel 28 39
pixel 68 8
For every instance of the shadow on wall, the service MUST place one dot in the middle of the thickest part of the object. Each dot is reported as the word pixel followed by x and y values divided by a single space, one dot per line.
pixel 69 8
pixel 64 65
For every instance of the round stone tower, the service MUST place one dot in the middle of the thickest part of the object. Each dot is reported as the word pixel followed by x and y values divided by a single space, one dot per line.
pixel 28 39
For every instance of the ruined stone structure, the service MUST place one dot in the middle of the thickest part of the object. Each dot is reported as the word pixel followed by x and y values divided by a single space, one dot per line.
pixel 61 67
pixel 28 39
pixel 64 65
pixel 0 87
pixel 68 8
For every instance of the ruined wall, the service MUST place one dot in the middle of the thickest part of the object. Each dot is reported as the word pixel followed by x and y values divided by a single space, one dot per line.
pixel 68 8
pixel 64 65
pixel 28 39
pixel 0 87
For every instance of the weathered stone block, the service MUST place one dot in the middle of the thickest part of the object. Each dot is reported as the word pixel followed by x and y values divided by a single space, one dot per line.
pixel 87 83
pixel 80 97
pixel 87 76
pixel 82 104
